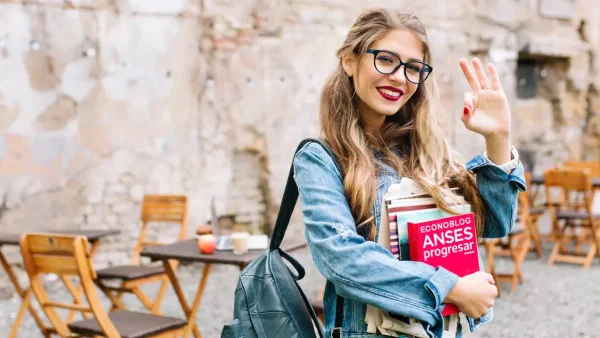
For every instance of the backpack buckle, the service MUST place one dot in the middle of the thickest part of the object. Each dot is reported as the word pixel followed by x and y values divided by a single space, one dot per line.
pixel 336 332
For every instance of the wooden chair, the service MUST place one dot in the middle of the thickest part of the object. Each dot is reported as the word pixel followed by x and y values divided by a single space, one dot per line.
pixel 69 256
pixel 592 167
pixel 572 212
pixel 515 246
pixel 155 208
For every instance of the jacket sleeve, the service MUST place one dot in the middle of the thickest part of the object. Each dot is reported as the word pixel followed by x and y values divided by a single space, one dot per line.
pixel 360 269
pixel 499 192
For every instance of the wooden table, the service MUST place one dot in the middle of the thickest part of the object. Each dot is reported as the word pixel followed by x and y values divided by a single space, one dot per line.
pixel 187 251
pixel 93 237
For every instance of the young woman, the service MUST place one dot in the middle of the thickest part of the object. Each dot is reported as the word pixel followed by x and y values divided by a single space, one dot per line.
pixel 380 114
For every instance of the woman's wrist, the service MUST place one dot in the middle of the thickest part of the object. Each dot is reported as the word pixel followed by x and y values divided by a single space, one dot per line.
pixel 455 293
pixel 498 148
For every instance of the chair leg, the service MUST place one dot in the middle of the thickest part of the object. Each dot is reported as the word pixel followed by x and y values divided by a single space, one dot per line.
pixel 535 236
pixel 160 295
pixel 537 246
pixel 579 240
pixel 594 245
pixel 589 258
pixel 76 294
pixel 513 283
pixel 554 253
pixel 565 239
pixel 117 304
pixel 497 280
pixel 170 334
pixel 595 232
pixel 514 278
pixel 559 244
pixel 115 297
pixel 490 245
pixel 523 248
pixel 144 299
pixel 21 313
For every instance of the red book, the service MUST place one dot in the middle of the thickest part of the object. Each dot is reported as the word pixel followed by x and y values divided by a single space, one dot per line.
pixel 450 242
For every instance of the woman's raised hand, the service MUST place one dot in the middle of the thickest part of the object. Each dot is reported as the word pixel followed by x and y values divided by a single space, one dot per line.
pixel 486 110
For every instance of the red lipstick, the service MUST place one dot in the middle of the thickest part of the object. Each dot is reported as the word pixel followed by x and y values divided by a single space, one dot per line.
pixel 395 97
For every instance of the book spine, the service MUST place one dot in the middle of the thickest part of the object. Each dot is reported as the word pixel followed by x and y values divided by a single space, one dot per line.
pixel 413 241
pixel 410 207
pixel 394 243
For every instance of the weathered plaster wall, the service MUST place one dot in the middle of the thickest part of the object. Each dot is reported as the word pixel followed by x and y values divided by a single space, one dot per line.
pixel 104 101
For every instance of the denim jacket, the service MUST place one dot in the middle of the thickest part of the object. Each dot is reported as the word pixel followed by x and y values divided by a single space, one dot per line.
pixel 365 272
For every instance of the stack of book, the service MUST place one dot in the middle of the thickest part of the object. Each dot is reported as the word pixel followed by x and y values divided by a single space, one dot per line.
pixel 414 228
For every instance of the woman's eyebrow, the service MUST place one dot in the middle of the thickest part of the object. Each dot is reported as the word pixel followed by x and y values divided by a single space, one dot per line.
pixel 400 56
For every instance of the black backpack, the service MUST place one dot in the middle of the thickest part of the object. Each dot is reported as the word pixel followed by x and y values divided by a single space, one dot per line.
pixel 269 303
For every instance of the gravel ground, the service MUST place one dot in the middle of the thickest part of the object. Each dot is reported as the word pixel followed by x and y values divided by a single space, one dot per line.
pixel 559 301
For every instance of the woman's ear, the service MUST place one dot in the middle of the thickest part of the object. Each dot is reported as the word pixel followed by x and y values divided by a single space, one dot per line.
pixel 349 62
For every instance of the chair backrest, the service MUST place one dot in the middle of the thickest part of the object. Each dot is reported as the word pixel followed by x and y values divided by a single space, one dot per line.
pixel 66 256
pixel 569 180
pixel 161 208
pixel 593 167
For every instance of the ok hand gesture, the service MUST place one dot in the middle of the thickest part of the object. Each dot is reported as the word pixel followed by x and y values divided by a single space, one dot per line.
pixel 486 109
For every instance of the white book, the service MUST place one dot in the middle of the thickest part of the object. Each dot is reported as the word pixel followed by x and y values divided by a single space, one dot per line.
pixel 415 328
pixel 407 189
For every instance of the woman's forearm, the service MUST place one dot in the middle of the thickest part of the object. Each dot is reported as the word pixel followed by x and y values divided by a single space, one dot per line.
pixel 498 148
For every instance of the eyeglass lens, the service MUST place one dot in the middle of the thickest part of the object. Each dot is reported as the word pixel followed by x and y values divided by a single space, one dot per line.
pixel 386 63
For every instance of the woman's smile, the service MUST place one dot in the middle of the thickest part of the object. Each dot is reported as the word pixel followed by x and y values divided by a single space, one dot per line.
pixel 390 93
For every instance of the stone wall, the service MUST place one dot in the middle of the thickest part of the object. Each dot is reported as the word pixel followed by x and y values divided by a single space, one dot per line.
pixel 103 101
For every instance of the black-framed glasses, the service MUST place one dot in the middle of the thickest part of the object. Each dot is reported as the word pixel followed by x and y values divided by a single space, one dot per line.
pixel 387 62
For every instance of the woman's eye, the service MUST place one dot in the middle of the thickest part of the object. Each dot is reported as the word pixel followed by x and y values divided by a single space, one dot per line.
pixel 414 68
pixel 385 59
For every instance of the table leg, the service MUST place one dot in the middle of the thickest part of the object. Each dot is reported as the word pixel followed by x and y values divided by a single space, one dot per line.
pixel 190 313
pixel 25 305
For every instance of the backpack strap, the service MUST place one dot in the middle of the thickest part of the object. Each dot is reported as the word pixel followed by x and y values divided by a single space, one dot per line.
pixel 288 202
pixel 311 311
pixel 290 196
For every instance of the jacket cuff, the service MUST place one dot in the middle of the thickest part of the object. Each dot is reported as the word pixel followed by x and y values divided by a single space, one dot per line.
pixel 516 176
pixel 440 284
pixel 475 323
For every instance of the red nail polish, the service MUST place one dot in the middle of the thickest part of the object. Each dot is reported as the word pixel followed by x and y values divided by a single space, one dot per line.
pixel 466 110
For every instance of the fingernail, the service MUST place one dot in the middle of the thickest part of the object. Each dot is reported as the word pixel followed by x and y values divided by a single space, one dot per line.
pixel 466 110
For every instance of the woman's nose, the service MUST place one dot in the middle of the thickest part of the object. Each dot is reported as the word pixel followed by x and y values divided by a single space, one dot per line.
pixel 398 76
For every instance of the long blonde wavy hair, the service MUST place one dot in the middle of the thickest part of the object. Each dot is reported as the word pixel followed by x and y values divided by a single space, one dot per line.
pixel 412 141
